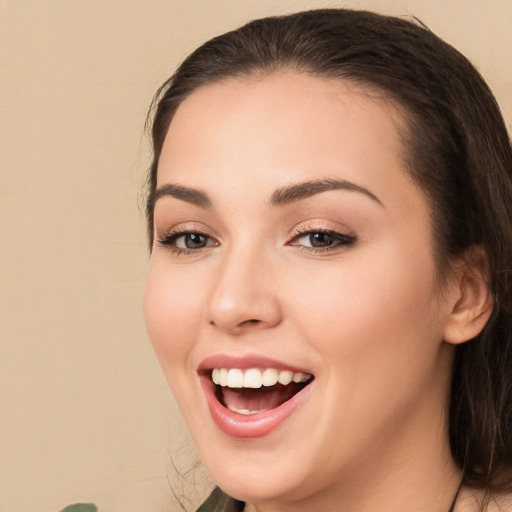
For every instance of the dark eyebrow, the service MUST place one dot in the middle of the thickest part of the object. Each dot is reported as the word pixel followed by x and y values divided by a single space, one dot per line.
pixel 290 193
pixel 190 195
pixel 281 197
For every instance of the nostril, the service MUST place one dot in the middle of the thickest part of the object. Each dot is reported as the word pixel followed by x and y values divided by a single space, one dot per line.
pixel 244 323
pixel 250 322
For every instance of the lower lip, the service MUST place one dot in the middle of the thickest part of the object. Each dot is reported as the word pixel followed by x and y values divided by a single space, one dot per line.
pixel 250 426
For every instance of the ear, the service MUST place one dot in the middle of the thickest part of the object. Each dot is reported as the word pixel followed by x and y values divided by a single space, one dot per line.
pixel 472 301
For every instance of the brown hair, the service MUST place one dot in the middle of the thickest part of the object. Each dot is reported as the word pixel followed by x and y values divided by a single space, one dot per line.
pixel 457 149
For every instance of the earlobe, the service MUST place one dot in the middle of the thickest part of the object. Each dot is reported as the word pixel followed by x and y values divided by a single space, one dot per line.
pixel 473 302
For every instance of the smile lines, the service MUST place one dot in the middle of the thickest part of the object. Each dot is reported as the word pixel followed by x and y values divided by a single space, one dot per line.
pixel 255 378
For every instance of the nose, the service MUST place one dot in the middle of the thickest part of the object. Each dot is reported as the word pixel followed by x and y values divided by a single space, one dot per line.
pixel 244 296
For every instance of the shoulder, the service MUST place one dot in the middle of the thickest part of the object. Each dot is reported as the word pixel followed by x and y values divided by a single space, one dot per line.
pixel 81 507
pixel 471 500
pixel 501 503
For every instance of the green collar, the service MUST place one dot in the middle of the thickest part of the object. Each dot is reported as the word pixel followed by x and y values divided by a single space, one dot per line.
pixel 221 502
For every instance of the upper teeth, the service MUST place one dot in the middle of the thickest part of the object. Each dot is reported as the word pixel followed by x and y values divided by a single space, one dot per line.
pixel 255 378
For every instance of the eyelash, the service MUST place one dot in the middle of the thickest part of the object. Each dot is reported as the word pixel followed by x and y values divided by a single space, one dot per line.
pixel 341 240
pixel 169 240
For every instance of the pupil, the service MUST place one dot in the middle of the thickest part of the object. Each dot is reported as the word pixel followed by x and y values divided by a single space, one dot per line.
pixel 320 239
pixel 195 241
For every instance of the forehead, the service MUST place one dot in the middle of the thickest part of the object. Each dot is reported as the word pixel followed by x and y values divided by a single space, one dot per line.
pixel 283 128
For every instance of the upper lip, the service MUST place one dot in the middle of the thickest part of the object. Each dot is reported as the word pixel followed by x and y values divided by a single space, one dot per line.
pixel 246 361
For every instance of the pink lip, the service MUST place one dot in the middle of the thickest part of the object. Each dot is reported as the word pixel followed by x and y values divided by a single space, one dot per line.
pixel 248 426
pixel 246 361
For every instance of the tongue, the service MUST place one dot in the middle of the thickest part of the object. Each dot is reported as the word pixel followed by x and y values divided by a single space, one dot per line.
pixel 258 399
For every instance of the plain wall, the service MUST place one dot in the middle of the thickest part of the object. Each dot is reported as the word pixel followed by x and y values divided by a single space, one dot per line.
pixel 85 414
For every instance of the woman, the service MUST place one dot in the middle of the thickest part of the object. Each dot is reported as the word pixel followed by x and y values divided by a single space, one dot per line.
pixel 329 292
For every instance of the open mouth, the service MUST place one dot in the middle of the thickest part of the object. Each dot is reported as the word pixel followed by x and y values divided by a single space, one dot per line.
pixel 256 390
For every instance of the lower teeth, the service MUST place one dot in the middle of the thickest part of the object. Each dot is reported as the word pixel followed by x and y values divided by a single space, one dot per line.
pixel 245 412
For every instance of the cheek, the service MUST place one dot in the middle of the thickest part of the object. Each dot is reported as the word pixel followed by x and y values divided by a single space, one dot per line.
pixel 173 311
pixel 371 311
pixel 374 332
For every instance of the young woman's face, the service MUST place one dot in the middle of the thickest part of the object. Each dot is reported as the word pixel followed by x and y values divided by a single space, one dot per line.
pixel 290 244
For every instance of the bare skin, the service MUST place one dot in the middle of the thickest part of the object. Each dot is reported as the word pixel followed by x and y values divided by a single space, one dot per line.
pixel 342 283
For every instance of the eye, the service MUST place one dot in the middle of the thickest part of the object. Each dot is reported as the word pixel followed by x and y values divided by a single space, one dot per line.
pixel 191 241
pixel 187 241
pixel 318 240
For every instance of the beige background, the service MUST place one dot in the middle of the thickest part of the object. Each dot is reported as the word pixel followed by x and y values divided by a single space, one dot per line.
pixel 84 411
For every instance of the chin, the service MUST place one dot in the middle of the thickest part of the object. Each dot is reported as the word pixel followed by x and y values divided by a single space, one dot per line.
pixel 252 482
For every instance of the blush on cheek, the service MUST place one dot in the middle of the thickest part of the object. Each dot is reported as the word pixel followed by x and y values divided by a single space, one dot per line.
pixel 164 318
pixel 174 311
pixel 371 309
